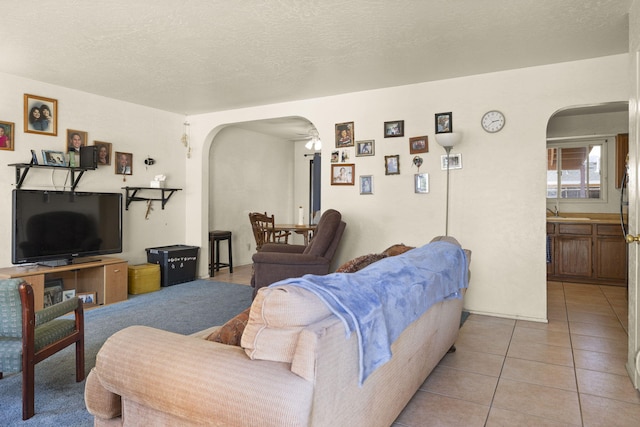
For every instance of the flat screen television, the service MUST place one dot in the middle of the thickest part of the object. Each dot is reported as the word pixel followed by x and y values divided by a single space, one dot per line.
pixel 58 228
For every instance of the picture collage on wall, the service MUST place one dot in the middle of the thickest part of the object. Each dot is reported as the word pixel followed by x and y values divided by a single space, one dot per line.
pixel 41 118
pixel 343 172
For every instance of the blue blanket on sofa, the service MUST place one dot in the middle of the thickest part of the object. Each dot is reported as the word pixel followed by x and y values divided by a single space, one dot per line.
pixel 381 300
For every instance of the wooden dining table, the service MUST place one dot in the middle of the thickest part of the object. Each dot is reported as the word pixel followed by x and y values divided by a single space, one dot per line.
pixel 305 230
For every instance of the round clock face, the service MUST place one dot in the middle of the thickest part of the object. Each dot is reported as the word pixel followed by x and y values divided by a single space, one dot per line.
pixel 493 121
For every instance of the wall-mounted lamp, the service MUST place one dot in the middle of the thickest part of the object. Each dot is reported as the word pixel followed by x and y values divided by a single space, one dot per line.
pixel 448 141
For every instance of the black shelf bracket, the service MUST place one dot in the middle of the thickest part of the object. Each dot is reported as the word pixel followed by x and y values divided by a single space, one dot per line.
pixel 22 169
pixel 132 196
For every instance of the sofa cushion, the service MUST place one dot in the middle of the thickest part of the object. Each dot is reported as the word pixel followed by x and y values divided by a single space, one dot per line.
pixel 359 263
pixel 277 316
pixel 231 332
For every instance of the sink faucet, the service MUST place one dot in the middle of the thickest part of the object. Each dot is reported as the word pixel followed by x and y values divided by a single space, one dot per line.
pixel 556 213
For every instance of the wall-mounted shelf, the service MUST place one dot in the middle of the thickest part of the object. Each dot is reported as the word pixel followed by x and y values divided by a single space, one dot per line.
pixel 132 192
pixel 22 169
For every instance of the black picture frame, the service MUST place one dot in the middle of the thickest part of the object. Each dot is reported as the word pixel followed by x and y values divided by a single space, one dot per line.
pixel 444 122
pixel 394 129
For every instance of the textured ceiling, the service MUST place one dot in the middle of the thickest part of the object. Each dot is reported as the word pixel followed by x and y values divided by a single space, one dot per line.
pixel 194 56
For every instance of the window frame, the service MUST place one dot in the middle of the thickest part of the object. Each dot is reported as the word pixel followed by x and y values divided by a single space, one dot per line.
pixel 604 168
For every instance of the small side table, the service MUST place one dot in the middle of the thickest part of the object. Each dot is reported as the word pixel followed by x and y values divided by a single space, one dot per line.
pixel 216 236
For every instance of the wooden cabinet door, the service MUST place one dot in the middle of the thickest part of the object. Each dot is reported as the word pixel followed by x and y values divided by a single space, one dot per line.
pixel 611 262
pixel 574 256
pixel 115 282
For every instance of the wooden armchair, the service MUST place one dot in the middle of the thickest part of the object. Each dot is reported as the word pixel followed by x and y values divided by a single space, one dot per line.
pixel 263 230
pixel 28 337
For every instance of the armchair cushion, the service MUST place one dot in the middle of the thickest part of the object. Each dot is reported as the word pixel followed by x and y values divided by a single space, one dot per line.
pixel 325 233
pixel 231 332
pixel 277 316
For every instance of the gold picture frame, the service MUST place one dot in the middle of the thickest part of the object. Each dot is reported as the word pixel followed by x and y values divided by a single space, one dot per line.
pixel 7 132
pixel 40 115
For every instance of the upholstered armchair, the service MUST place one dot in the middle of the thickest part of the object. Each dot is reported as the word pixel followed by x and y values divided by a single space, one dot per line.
pixel 275 262
pixel 28 337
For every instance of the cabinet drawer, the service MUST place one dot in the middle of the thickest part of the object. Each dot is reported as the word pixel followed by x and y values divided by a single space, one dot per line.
pixel 551 228
pixel 609 230
pixel 580 229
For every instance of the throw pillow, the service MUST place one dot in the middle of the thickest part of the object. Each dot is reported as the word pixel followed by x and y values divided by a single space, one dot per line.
pixel 359 263
pixel 397 249
pixel 231 332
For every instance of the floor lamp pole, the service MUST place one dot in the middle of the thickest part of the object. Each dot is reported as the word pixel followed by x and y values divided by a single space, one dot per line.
pixel 446 227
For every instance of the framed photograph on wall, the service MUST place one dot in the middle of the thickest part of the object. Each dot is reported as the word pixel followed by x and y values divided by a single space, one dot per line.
pixel 344 134
pixel 366 184
pixel 6 135
pixel 455 161
pixel 394 129
pixel 124 163
pixel 444 123
pixel 104 152
pixel 75 140
pixel 419 144
pixel 365 148
pixel 53 158
pixel 392 165
pixel 40 115
pixel 421 183
pixel 342 174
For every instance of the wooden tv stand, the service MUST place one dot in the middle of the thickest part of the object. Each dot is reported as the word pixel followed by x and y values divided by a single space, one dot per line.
pixel 106 276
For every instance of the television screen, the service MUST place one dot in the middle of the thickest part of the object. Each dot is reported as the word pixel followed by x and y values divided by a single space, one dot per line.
pixel 53 227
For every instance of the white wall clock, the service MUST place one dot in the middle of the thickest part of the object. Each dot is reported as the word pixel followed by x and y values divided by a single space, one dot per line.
pixel 493 121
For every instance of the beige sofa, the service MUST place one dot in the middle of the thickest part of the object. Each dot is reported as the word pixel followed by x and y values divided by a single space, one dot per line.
pixel 295 368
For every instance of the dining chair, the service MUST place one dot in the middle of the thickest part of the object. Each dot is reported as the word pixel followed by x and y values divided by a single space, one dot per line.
pixel 263 230
pixel 28 337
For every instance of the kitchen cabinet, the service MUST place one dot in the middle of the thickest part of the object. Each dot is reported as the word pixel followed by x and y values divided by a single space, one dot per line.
pixel 587 252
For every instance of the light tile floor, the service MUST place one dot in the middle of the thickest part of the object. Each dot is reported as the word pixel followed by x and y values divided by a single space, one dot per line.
pixel 569 372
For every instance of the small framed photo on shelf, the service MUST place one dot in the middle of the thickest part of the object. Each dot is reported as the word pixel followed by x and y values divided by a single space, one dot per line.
pixel 104 152
pixel 365 148
pixel 454 160
pixel 444 123
pixel 53 158
pixel 40 115
pixel 344 134
pixel 76 139
pixel 88 298
pixel 52 292
pixel 421 183
pixel 124 163
pixel 342 174
pixel 6 135
pixel 394 129
pixel 366 184
pixel 419 144
pixel 392 165
pixel 68 294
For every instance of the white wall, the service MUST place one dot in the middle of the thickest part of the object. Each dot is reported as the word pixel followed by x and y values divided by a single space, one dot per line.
pixel 130 128
pixel 497 200
pixel 250 172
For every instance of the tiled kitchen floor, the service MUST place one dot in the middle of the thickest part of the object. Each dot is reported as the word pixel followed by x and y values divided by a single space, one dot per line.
pixel 568 372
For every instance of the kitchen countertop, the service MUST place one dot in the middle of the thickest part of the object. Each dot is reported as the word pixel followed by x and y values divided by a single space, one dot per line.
pixel 589 218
